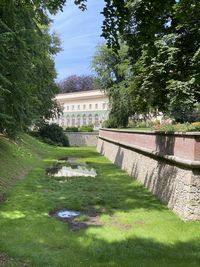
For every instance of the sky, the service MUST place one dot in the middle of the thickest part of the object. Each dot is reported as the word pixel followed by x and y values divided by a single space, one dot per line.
pixel 80 34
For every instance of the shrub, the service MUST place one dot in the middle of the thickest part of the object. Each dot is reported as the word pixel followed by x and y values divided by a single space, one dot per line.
pixel 140 124
pixel 86 129
pixel 164 127
pixel 179 127
pixel 195 126
pixel 53 134
pixel 34 134
pixel 71 129
pixel 110 123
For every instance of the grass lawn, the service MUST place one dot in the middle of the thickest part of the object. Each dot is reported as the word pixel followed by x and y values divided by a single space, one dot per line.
pixel 136 229
pixel 137 129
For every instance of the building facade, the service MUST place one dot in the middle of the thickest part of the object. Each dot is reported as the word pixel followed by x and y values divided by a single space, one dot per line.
pixel 83 108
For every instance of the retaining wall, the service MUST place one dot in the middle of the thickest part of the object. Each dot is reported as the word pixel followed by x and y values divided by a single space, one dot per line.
pixel 167 164
pixel 82 138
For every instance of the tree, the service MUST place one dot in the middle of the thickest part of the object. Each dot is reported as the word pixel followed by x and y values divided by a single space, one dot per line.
pixel 76 83
pixel 26 61
pixel 27 78
pixel 109 66
pixel 113 72
pixel 163 46
pixel 28 73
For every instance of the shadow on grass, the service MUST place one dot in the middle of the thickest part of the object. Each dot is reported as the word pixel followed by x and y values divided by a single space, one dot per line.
pixel 28 232
pixel 112 190
pixel 84 249
pixel 163 178
pixel 119 190
pixel 84 152
pixel 143 252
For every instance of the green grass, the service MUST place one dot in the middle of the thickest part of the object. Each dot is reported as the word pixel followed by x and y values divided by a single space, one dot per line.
pixel 137 230
pixel 137 129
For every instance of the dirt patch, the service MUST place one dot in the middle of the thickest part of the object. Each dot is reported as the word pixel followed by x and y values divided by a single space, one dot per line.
pixel 123 226
pixel 7 261
pixel 139 222
pixel 84 220
pixel 4 260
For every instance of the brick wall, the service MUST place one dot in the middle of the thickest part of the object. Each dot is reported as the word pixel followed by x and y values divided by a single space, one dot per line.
pixel 82 139
pixel 185 145
pixel 166 164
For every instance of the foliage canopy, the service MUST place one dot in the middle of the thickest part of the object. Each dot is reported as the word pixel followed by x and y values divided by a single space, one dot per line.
pixel 163 41
pixel 76 83
pixel 27 67
pixel 152 63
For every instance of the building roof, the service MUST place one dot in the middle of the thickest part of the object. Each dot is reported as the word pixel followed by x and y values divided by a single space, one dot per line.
pixel 81 95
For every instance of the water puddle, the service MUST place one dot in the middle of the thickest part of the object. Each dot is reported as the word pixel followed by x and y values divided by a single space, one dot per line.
pixel 67 214
pixel 74 219
pixel 67 167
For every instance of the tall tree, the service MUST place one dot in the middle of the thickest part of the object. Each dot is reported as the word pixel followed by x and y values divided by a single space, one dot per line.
pixel 27 76
pixel 113 73
pixel 76 83
pixel 163 39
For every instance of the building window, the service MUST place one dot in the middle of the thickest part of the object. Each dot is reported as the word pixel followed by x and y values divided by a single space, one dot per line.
pixel 96 106
pixel 90 106
pixel 73 120
pixel 68 121
pixel 78 120
pixel 104 105
pixel 67 107
pixel 72 107
pixel 90 119
pixel 84 106
pixel 84 120
pixel 78 106
pixel 96 120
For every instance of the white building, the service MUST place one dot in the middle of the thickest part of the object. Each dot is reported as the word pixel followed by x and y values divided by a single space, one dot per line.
pixel 83 108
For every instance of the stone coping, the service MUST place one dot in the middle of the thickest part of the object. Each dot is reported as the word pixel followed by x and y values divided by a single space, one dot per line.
pixel 192 164
pixel 152 132
pixel 83 133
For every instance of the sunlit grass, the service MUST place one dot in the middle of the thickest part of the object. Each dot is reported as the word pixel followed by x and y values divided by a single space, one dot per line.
pixel 137 129
pixel 137 230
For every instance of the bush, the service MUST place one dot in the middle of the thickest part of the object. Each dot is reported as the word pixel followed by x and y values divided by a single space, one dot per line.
pixel 71 129
pixel 34 133
pixel 195 126
pixel 86 129
pixel 165 127
pixel 110 123
pixel 53 134
pixel 179 127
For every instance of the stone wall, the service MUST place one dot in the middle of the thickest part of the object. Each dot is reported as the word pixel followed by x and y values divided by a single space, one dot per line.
pixel 175 180
pixel 82 138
